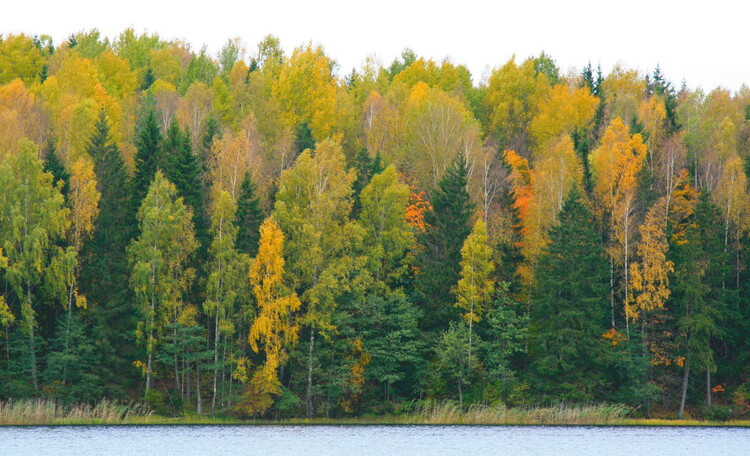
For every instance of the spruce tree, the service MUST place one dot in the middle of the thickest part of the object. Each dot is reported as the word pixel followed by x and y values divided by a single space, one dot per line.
pixel 568 315
pixel 210 132
pixel 147 160
pixel 53 164
pixel 104 276
pixel 170 149
pixel 249 218
pixel 699 296
pixel 303 138
pixel 447 226
pixel 366 167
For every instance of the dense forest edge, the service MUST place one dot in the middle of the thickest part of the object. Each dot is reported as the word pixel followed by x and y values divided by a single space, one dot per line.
pixel 262 236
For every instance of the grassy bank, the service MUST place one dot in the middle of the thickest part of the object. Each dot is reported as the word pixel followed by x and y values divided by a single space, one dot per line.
pixel 48 412
pixel 45 411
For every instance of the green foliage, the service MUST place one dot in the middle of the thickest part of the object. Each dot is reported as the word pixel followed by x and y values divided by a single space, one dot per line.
pixel 303 138
pixel 147 157
pixel 158 257
pixel 54 166
pixel 104 269
pixel 568 309
pixel 396 293
pixel 448 224
pixel 248 217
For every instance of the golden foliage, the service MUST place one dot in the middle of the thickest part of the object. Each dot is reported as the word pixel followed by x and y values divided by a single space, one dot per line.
pixel 273 329
pixel 650 276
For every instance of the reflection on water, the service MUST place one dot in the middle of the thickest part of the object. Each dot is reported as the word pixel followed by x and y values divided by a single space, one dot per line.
pixel 371 440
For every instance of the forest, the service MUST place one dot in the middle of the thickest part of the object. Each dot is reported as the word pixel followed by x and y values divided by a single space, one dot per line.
pixel 256 234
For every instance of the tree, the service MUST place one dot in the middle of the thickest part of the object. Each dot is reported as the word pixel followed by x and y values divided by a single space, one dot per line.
pixel 387 236
pixel 306 89
pixel 147 157
pixel 84 207
pixel 32 218
pixel 650 276
pixel 511 98
pixel 104 269
pixel 248 218
pixel 567 313
pixel 475 285
pixel 19 58
pixel 615 166
pixel 698 294
pixel 181 166
pixel 158 257
pixel 225 277
pixel 447 226
pixel 274 329
pixel 438 128
pixel 54 166
pixel 312 208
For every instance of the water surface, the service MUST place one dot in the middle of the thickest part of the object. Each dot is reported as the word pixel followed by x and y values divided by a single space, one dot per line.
pixel 370 440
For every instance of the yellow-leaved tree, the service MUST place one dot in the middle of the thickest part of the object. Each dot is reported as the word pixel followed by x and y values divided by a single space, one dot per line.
pixel 475 285
pixel 306 89
pixel 615 166
pixel 650 275
pixel 273 331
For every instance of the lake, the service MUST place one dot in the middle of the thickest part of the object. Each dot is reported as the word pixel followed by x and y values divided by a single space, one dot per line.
pixel 370 440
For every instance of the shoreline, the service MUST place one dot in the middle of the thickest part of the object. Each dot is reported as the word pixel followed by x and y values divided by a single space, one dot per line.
pixel 373 421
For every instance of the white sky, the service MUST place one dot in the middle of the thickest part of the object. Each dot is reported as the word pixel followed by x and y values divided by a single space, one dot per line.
pixel 705 43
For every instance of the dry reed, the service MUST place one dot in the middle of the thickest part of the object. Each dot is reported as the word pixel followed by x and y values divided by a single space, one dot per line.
pixel 48 411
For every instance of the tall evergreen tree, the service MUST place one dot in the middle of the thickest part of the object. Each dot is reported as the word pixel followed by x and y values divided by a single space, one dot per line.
pixel 104 276
pixel 147 160
pixel 447 226
pixel 303 138
pixel 210 132
pixel 248 218
pixel 53 165
pixel 569 307
pixel 699 295
pixel 366 167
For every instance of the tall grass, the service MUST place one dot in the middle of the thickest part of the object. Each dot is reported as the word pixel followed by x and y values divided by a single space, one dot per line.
pixel 449 412
pixel 48 411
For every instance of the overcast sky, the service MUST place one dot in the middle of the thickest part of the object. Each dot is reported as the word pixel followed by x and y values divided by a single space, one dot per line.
pixel 705 43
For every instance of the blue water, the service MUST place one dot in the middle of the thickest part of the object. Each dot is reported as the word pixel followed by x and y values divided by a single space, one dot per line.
pixel 371 440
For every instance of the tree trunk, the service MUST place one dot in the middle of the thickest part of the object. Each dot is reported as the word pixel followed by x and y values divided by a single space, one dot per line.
pixel 198 388
pixel 308 392
pixel 708 387
pixel 612 290
pixel 176 363
pixel 683 394
pixel 216 362
pixel 33 357
pixel 150 362
pixel 67 331
pixel 460 396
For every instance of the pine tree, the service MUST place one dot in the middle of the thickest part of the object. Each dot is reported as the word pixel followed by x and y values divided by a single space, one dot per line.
pixel 248 218
pixel 568 309
pixel 447 226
